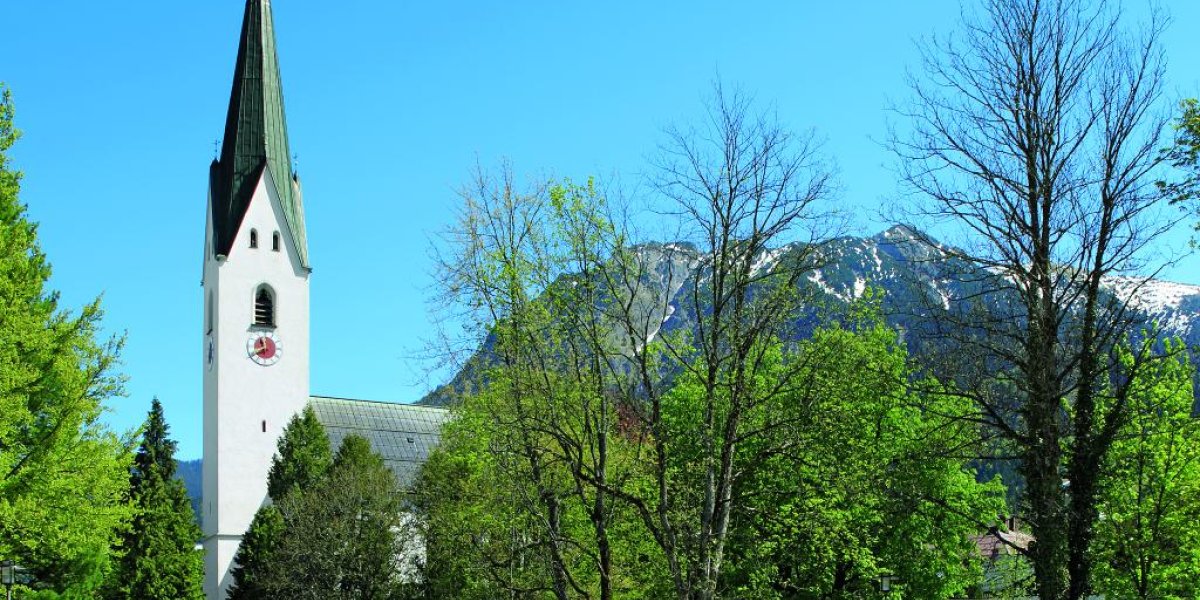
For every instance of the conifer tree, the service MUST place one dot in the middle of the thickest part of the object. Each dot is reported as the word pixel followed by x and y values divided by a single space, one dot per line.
pixel 345 537
pixel 160 558
pixel 304 455
pixel 254 554
pixel 302 459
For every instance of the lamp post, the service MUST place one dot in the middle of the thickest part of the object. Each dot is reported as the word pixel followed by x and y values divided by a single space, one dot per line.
pixel 8 575
pixel 887 581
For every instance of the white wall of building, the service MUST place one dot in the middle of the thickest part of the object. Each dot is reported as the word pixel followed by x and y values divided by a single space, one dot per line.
pixel 240 396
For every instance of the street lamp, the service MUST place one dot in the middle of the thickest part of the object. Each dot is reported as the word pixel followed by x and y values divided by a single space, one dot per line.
pixel 8 576
pixel 887 581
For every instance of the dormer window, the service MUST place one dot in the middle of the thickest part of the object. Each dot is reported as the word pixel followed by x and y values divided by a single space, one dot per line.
pixel 264 307
pixel 253 238
pixel 275 241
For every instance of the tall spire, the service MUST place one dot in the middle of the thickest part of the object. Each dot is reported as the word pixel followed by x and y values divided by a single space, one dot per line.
pixel 255 137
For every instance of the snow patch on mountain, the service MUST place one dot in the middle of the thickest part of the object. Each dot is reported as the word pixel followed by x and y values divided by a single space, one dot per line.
pixel 818 278
pixel 1173 305
pixel 1153 296
pixel 767 259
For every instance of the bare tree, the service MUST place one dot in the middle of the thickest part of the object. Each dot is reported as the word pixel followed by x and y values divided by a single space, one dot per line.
pixel 1035 133
pixel 570 312
pixel 745 187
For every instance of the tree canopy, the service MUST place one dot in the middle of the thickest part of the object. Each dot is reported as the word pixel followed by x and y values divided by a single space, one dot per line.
pixel 1146 541
pixel 56 374
pixel 302 459
pixel 160 559
pixel 343 537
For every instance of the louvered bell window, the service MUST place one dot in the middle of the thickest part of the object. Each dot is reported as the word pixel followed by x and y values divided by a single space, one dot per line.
pixel 264 308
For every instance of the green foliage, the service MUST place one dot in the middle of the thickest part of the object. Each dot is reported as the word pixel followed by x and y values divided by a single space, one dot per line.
pixel 160 560
pixel 303 456
pixel 484 529
pixel 523 498
pixel 63 474
pixel 1184 155
pixel 255 554
pixel 344 537
pixel 853 472
pixel 768 470
pixel 861 473
pixel 302 459
pixel 156 453
pixel 1148 538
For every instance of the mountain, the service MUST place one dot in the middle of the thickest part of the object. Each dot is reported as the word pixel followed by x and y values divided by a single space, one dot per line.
pixel 912 270
pixel 191 472
pixel 915 280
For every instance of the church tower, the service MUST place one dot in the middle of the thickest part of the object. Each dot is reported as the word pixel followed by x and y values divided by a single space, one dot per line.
pixel 255 304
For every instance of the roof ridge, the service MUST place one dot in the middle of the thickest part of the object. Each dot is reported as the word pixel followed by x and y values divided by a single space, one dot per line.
pixel 384 402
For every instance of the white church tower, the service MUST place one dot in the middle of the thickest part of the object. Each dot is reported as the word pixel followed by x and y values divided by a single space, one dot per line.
pixel 255 303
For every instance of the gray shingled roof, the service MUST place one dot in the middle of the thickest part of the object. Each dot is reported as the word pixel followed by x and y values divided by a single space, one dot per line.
pixel 404 434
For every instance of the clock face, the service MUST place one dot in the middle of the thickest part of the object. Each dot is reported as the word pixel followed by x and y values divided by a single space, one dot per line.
pixel 264 348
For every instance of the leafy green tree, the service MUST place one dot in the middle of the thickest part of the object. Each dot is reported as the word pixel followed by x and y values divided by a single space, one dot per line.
pixel 483 525
pixel 571 470
pixel 302 459
pixel 63 474
pixel 345 537
pixel 160 559
pixel 861 473
pixel 529 269
pixel 852 472
pixel 1147 540
pixel 1184 155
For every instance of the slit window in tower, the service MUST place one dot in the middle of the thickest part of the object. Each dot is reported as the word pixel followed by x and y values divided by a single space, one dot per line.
pixel 264 307
pixel 253 238
pixel 275 241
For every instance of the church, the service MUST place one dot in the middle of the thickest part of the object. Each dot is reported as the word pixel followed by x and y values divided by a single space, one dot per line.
pixel 255 318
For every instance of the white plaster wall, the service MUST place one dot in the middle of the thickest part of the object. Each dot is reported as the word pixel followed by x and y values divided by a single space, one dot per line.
pixel 239 394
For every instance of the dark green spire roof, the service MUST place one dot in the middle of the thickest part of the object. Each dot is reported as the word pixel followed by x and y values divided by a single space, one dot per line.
pixel 255 137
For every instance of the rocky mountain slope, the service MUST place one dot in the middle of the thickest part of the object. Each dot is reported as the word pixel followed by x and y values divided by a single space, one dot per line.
pixel 916 283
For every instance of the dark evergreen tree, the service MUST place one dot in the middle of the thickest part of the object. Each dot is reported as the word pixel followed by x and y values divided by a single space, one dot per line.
pixel 304 455
pixel 254 554
pixel 161 560
pixel 344 537
pixel 302 459
pixel 355 453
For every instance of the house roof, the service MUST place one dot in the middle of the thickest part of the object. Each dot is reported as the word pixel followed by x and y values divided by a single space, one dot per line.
pixel 256 138
pixel 993 545
pixel 404 434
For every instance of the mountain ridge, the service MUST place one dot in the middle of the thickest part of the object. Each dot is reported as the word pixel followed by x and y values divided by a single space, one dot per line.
pixel 917 274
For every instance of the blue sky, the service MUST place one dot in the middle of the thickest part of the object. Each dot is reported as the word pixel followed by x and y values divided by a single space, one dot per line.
pixel 389 105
